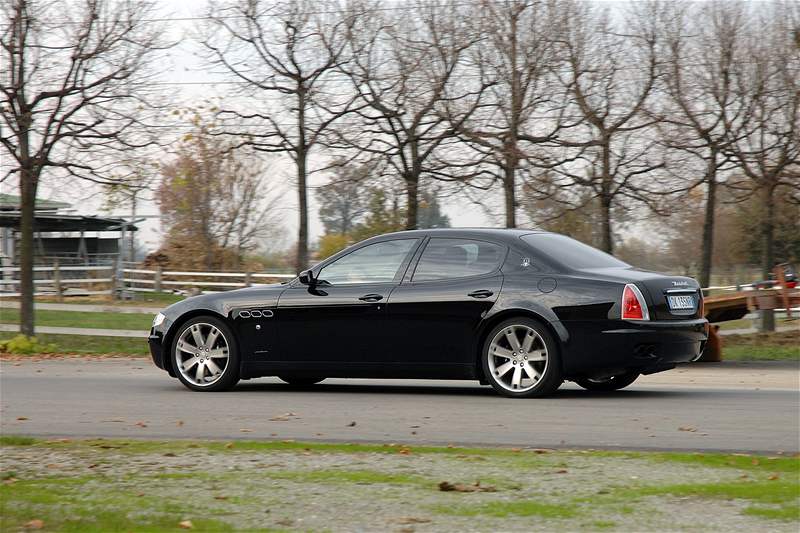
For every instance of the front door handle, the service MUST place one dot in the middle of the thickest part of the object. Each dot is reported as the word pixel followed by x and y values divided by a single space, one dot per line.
pixel 371 298
pixel 483 293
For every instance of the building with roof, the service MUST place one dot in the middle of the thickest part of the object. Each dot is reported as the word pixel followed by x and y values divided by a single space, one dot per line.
pixel 61 235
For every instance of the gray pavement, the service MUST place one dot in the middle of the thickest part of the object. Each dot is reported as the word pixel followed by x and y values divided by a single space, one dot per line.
pixel 743 407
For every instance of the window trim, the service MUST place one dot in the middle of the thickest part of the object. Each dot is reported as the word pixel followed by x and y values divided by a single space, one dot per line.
pixel 497 270
pixel 401 270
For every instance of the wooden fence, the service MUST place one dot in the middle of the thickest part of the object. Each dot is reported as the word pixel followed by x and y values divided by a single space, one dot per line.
pixel 60 281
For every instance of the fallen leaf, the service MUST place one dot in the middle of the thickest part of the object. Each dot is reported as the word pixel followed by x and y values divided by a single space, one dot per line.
pixel 755 461
pixel 412 520
pixel 773 477
pixel 141 424
pixel 185 524
pixel 352 424
pixel 404 451
pixel 246 430
pixel 229 446
pixel 179 423
pixel 446 486
pixel 22 418
pixel 169 454
pixel 561 471
pixel 687 428
pixel 220 497
pixel 93 465
pixel 34 524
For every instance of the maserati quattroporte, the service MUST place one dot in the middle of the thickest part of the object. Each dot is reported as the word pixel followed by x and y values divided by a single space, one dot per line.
pixel 519 310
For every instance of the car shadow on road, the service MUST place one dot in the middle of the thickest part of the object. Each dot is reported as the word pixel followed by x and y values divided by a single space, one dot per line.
pixel 450 390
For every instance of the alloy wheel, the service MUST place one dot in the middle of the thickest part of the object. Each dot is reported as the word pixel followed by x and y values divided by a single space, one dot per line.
pixel 202 354
pixel 517 358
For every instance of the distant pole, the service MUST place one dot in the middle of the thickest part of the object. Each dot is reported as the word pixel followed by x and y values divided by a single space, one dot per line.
pixel 158 277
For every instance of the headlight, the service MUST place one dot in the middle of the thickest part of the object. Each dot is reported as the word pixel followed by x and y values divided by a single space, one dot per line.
pixel 158 319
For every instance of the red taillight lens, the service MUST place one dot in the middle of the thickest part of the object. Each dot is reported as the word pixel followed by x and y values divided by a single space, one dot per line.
pixel 633 304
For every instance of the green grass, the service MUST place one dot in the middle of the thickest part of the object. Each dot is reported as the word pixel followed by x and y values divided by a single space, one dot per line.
pixel 99 500
pixel 90 345
pixel 502 509
pixel 80 319
pixel 779 345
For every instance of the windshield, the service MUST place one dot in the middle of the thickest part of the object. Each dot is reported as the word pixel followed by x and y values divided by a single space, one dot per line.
pixel 571 253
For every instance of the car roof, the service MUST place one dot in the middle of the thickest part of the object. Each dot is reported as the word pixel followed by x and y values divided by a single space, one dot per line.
pixel 504 234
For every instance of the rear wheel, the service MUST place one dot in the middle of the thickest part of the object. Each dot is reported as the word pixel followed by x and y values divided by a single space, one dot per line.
pixel 300 381
pixel 520 359
pixel 608 384
pixel 205 355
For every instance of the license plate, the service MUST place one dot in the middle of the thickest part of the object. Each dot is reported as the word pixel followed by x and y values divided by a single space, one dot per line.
pixel 681 302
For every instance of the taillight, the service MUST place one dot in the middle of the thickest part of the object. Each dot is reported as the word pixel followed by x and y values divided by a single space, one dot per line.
pixel 633 305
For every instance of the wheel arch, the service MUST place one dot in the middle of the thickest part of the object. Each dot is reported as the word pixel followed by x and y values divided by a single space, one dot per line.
pixel 490 323
pixel 176 325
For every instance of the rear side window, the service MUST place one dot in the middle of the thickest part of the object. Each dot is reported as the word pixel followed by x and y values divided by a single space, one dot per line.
pixel 457 258
pixel 571 253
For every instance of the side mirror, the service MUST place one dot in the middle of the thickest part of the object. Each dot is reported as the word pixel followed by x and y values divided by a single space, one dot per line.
pixel 307 277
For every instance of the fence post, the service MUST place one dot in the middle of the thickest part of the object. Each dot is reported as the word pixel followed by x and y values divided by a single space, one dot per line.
pixel 57 281
pixel 116 279
pixel 248 279
pixel 157 279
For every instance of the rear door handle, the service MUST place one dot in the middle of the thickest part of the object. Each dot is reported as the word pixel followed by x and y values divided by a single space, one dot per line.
pixel 371 298
pixel 483 293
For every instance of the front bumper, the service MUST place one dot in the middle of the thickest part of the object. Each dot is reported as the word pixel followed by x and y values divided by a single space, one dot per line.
pixel 609 347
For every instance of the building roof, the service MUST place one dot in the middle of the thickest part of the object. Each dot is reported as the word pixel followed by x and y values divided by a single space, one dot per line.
pixel 55 222
pixel 9 202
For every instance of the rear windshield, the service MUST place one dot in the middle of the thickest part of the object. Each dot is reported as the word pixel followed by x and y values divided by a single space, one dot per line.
pixel 571 253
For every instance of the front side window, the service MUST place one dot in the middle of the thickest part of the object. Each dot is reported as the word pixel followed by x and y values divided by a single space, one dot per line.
pixel 374 263
pixel 457 258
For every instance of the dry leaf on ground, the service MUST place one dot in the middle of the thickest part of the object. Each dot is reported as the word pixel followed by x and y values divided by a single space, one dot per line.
pixel 446 486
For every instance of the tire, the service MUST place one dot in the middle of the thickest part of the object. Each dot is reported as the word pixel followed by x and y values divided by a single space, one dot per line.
pixel 187 347
pixel 297 381
pixel 534 378
pixel 610 384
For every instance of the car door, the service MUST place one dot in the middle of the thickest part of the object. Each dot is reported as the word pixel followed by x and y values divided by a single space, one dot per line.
pixel 435 312
pixel 342 317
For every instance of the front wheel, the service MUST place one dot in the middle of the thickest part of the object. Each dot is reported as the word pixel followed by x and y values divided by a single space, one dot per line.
pixel 609 384
pixel 205 355
pixel 520 359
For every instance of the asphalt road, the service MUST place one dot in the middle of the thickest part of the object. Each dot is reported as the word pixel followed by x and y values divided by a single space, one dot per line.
pixel 705 407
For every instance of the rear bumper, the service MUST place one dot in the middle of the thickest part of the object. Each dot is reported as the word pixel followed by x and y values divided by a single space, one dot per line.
pixel 608 347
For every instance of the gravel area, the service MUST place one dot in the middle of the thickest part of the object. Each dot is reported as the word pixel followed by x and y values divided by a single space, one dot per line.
pixel 312 490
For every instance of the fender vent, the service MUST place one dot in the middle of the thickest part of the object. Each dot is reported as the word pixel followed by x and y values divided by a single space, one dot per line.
pixel 254 313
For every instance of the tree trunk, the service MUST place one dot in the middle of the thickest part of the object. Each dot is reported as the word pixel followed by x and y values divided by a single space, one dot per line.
pixel 606 242
pixel 509 186
pixel 708 223
pixel 27 185
pixel 768 230
pixel 767 316
pixel 412 200
pixel 301 262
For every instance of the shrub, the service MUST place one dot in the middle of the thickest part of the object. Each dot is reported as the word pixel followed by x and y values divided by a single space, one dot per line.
pixel 25 345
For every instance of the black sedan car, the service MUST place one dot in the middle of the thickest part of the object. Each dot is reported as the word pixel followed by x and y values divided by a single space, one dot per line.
pixel 519 310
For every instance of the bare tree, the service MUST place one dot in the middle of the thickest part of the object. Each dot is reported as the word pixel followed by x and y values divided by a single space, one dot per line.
pixel 404 73
pixel 523 109
pixel 610 71
pixel 287 54
pixel 704 61
pixel 74 87
pixel 765 138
